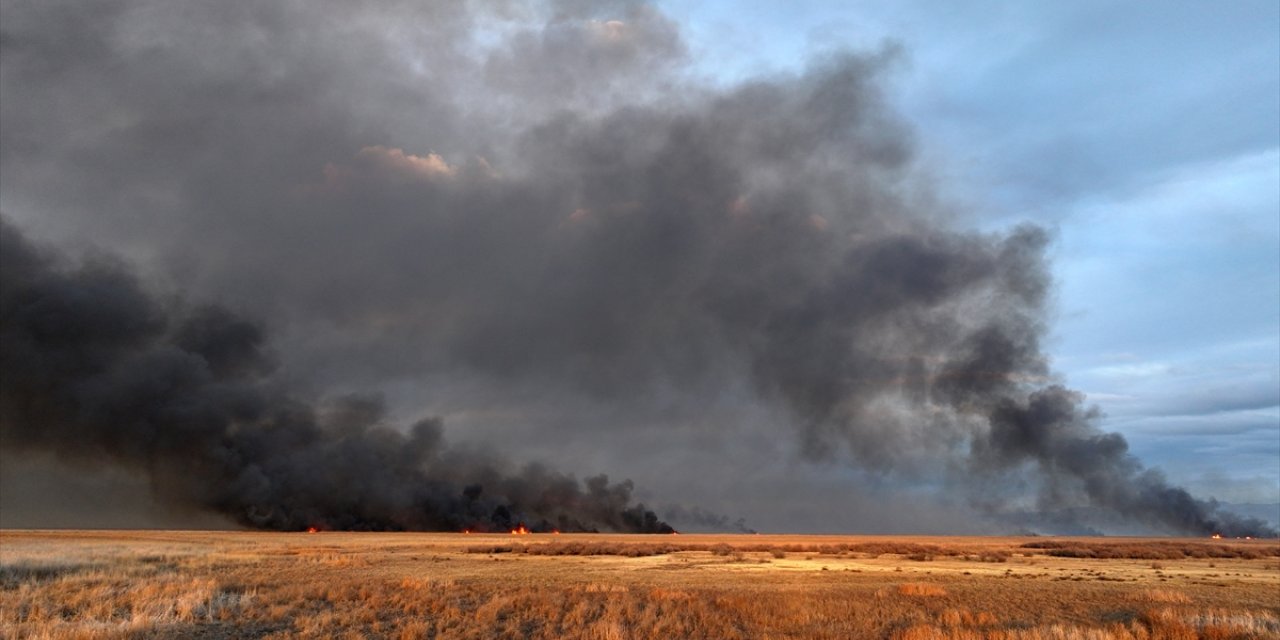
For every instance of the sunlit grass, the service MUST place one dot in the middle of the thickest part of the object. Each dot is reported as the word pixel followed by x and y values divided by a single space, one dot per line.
pixel 233 585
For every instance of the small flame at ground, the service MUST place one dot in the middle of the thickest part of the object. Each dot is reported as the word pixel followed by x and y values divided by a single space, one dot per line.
pixel 555 531
pixel 312 530
pixel 519 531
pixel 1216 536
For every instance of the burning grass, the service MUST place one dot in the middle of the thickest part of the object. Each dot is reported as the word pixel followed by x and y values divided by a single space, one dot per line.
pixel 248 585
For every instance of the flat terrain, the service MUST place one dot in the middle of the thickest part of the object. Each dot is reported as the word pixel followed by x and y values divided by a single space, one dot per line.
pixel 110 584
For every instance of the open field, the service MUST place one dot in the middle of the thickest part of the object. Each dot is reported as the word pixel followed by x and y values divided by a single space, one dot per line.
pixel 110 584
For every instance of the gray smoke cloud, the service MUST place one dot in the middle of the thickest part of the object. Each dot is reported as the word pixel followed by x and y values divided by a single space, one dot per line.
pixel 699 519
pixel 535 206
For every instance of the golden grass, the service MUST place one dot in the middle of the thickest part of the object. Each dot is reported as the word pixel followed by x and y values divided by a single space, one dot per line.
pixel 274 585
pixel 919 589
pixel 1161 595
pixel 1152 550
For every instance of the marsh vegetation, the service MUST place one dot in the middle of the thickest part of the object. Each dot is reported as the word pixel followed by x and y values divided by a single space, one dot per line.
pixel 115 584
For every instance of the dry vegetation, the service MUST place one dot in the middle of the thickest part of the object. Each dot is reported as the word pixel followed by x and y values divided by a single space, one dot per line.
pixel 222 585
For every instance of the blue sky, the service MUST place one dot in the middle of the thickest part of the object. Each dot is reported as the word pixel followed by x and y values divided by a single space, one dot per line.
pixel 1147 136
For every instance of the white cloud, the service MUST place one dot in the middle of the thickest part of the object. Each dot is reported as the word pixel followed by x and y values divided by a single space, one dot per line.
pixel 429 166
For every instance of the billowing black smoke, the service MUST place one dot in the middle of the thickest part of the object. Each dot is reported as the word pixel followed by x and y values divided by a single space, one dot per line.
pixel 540 207
pixel 96 367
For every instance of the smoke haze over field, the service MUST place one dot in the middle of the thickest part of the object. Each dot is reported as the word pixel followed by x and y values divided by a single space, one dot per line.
pixel 302 224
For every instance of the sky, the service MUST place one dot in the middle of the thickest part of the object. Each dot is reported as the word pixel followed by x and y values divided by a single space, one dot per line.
pixel 801 266
pixel 1148 138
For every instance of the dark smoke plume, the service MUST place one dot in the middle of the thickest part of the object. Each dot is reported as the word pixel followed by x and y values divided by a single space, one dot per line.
pixel 94 366
pixel 536 205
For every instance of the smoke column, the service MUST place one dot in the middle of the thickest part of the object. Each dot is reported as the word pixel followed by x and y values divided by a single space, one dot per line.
pixel 94 366
pixel 540 198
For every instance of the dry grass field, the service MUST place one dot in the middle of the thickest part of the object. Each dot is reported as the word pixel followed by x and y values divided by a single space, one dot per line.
pixel 117 584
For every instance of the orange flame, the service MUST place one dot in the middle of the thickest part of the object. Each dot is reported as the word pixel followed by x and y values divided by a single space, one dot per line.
pixel 1216 536
pixel 555 531
pixel 312 530
pixel 519 531
pixel 466 531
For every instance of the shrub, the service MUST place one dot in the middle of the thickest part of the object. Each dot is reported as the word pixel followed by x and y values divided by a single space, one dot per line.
pixel 921 589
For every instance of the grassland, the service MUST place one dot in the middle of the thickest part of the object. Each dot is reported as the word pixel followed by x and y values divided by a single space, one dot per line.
pixel 119 584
